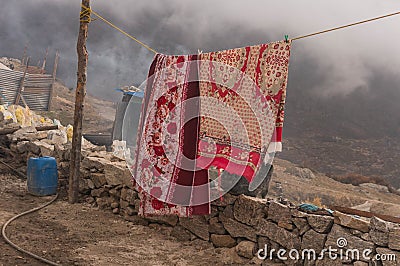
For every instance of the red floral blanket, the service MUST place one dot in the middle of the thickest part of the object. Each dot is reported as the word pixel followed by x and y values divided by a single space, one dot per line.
pixel 165 169
pixel 222 109
pixel 243 94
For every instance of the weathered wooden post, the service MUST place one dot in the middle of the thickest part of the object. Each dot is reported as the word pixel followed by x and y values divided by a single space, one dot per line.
pixel 73 191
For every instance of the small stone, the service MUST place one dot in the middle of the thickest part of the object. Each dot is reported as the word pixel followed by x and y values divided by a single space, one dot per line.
pixel 137 205
pixel 351 222
pixel 246 249
pixel 45 149
pixel 230 257
pixel 114 205
pixel 223 241
pixel 22 146
pixel 115 192
pixel 103 203
pixel 90 200
pixel 380 238
pixel 90 162
pixel 181 234
pixel 130 211
pixel 366 237
pixel 167 219
pixel 197 225
pixel 124 193
pixel 226 213
pixel 115 210
pixel 227 199
pixel 98 179
pixel 123 204
pixel 216 227
pixel 313 240
pixel 379 224
pixel 302 225
pixel 321 224
pixel 262 241
pixel 101 192
pixel 83 186
pixel 32 147
pixel 57 136
pixel 90 184
pixel 394 239
pixel 131 196
pixel 236 229
pixel 286 225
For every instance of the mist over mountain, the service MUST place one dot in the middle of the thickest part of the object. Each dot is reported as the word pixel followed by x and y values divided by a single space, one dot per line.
pixel 342 61
pixel 341 84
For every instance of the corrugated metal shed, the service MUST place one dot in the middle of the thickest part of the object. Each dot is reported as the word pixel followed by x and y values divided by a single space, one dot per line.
pixel 36 90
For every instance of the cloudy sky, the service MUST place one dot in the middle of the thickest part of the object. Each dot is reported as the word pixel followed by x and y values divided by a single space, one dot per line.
pixel 333 63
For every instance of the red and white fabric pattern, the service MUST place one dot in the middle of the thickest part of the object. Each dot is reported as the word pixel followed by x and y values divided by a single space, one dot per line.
pixel 165 139
pixel 243 94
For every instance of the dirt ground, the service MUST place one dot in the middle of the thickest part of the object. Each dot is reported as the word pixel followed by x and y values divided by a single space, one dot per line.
pixel 82 235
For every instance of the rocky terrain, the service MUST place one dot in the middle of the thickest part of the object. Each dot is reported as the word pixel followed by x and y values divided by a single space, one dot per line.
pixel 234 232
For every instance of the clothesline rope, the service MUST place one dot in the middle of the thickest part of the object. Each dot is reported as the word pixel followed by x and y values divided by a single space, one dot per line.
pixel 119 29
pixel 345 26
pixel 296 38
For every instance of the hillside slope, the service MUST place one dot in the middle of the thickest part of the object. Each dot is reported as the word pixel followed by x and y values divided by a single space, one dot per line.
pixel 98 116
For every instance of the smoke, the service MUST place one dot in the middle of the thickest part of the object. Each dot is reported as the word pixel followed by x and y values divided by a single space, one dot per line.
pixel 334 63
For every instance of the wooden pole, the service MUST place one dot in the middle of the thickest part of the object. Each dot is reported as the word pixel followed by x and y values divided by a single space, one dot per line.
pixel 73 191
pixel 44 60
pixel 54 80
pixel 21 84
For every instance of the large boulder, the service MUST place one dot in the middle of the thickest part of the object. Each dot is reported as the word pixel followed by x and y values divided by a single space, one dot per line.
pixel 246 249
pixel 249 210
pixel 197 225
pixel 237 229
pixel 223 241
pixel 117 173
pixel 278 234
pixel 351 222
pixel 320 223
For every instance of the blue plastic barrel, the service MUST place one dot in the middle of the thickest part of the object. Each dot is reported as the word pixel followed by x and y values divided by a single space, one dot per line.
pixel 42 176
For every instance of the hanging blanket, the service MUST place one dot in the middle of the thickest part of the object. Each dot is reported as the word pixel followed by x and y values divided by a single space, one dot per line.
pixel 239 95
pixel 242 106
pixel 167 140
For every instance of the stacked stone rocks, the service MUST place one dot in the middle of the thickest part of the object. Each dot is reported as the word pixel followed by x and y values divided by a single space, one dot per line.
pixel 240 226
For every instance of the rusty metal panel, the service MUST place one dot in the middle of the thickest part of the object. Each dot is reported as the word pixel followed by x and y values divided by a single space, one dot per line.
pixel 37 89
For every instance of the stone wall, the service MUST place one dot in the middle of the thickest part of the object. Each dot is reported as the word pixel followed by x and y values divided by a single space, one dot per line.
pixel 239 225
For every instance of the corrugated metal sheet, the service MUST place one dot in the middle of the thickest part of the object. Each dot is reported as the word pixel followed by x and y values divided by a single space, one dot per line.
pixel 37 89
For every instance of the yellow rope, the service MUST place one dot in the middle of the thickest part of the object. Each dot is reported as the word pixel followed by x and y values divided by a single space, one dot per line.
pixel 88 11
pixel 345 26
pixel 85 13
pixel 120 30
